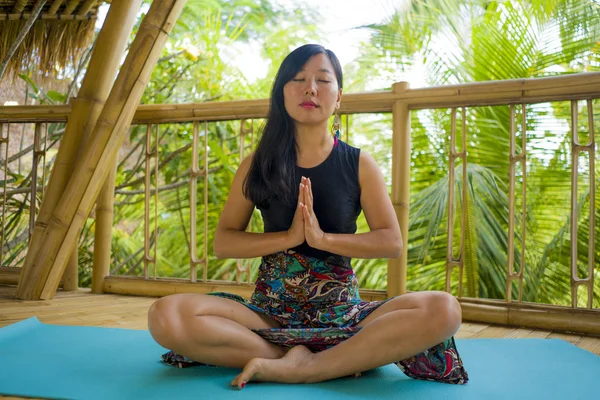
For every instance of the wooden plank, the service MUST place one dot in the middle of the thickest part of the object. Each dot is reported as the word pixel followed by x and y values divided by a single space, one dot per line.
pixel 468 329
pixel 493 332
pixel 522 333
pixel 591 344
pixel 574 339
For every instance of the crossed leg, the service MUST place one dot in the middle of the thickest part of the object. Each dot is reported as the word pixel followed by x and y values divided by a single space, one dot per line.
pixel 400 328
pixel 217 331
pixel 211 330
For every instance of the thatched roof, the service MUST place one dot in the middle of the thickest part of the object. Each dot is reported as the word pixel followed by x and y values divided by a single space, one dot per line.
pixel 62 31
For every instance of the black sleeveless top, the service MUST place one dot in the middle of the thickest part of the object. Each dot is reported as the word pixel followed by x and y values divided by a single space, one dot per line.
pixel 336 200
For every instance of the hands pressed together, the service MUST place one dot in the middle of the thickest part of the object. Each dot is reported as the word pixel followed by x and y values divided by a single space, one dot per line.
pixel 305 225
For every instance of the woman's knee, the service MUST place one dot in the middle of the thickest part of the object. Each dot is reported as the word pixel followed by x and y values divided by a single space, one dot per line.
pixel 164 320
pixel 445 310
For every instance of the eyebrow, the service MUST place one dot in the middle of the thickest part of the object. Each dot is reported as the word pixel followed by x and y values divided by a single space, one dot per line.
pixel 321 70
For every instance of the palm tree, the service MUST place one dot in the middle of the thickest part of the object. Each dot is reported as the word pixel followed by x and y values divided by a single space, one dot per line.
pixel 464 41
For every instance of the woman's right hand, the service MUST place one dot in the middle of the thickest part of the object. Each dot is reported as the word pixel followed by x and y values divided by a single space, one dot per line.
pixel 296 231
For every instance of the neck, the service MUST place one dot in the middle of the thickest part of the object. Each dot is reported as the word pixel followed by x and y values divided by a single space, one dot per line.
pixel 312 138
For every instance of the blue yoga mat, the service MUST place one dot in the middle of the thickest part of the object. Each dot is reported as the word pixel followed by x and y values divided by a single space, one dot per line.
pixel 77 362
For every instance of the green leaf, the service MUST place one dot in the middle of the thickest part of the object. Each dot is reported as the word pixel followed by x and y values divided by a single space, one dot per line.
pixel 57 96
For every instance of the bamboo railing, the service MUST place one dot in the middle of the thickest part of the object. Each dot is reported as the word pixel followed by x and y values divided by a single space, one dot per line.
pixel 400 102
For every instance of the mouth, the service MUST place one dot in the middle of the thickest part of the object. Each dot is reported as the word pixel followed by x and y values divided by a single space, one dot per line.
pixel 309 105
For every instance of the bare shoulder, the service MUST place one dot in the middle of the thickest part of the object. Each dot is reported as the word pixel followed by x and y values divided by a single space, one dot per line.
pixel 367 169
pixel 245 164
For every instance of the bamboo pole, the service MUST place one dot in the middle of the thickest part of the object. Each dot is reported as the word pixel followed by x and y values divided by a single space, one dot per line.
pixel 24 30
pixel 577 149
pixel 86 108
pixel 195 172
pixel 37 154
pixel 31 113
pixel 4 142
pixel 10 276
pixel 101 152
pixel 47 16
pixel 71 5
pixel 87 6
pixel 400 189
pixel 71 275
pixel 54 7
pixel 103 234
pixel 19 6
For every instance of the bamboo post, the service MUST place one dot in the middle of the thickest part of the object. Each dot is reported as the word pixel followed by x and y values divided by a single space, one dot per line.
pixel 33 17
pixel 86 108
pixel 71 275
pixel 396 284
pixel 101 151
pixel 55 6
pixel 103 234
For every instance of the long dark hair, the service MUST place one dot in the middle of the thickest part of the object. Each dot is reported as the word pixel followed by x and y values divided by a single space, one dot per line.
pixel 271 173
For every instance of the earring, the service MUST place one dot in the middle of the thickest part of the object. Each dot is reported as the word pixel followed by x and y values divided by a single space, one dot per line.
pixel 335 128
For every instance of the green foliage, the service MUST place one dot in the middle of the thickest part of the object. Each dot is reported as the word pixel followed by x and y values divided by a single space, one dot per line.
pixel 454 42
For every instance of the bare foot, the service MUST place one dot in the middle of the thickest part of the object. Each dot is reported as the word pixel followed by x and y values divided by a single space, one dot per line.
pixel 291 368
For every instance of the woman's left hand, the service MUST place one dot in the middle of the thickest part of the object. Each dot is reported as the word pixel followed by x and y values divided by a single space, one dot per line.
pixel 312 231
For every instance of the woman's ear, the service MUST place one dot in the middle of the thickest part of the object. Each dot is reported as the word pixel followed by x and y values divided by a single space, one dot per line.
pixel 339 99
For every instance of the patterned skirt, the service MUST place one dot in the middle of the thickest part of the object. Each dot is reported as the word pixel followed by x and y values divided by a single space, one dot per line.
pixel 318 305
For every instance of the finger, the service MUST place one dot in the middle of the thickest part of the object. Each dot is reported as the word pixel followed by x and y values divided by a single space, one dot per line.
pixel 310 192
pixel 301 194
pixel 308 198
pixel 308 218
pixel 306 215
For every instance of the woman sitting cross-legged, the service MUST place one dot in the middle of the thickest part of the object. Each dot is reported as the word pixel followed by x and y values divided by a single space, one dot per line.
pixel 310 188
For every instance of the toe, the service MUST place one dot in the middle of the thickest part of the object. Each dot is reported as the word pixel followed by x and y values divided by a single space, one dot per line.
pixel 248 373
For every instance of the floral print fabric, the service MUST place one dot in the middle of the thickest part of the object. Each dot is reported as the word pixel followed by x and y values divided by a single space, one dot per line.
pixel 318 305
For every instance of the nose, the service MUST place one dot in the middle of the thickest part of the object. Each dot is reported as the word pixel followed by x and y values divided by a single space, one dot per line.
pixel 310 90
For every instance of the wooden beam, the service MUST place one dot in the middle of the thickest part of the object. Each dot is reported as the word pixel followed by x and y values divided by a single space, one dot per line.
pixel 531 315
pixel 10 276
pixel 45 113
pixel 101 152
pixel 86 108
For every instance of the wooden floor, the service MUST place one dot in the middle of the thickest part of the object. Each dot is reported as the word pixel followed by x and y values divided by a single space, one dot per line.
pixel 84 308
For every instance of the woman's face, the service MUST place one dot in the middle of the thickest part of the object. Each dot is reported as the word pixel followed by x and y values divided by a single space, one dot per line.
pixel 312 96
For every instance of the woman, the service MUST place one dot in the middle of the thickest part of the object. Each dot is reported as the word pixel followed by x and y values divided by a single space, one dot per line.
pixel 310 187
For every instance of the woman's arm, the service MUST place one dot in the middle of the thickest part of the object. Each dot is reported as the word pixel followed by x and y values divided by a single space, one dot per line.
pixel 384 239
pixel 231 238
